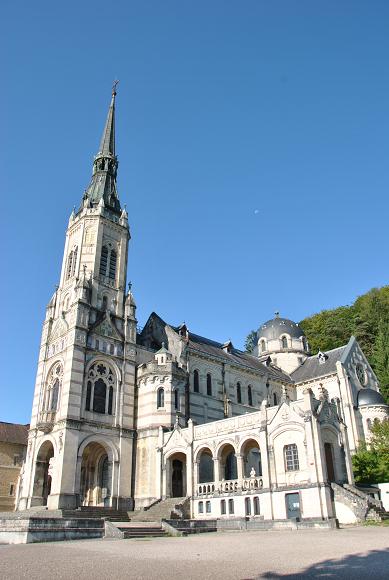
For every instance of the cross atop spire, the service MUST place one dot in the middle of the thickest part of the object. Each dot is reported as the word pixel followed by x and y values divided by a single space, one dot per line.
pixel 105 164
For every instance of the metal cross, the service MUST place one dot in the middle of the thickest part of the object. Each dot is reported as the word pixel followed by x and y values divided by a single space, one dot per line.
pixel 115 84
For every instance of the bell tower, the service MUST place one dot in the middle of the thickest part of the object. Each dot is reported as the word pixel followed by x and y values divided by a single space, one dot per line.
pixel 82 422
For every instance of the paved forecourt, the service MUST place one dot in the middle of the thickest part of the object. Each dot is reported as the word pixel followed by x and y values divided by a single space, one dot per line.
pixel 348 553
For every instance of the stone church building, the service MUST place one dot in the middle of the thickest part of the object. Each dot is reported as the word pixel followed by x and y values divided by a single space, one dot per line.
pixel 124 419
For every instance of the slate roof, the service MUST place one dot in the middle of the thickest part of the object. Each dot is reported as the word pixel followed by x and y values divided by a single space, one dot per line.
pixel 14 433
pixel 213 348
pixel 312 368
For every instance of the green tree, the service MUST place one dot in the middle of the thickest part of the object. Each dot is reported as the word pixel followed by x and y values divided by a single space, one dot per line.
pixel 251 341
pixel 371 462
pixel 380 358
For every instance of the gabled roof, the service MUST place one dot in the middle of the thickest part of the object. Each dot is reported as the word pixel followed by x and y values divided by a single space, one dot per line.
pixel 211 347
pixel 13 433
pixel 313 368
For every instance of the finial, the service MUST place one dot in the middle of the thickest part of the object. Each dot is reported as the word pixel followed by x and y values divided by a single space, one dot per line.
pixel 115 84
pixel 277 314
pixel 129 286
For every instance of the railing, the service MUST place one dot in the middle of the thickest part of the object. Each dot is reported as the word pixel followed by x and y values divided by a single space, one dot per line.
pixel 230 486
pixel 46 420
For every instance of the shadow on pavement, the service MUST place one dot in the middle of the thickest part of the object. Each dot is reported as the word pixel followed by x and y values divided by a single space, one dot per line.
pixel 374 564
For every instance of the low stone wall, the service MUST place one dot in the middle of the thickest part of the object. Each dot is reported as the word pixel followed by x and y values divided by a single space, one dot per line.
pixel 193 526
pixel 32 529
pixel 244 525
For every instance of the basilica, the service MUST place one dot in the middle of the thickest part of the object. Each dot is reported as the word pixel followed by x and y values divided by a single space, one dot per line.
pixel 126 419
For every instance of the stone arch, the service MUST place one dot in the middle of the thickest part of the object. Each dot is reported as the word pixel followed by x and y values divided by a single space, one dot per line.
pixel 206 472
pixel 105 360
pixel 43 472
pixel 176 472
pixel 226 453
pixel 250 450
pixel 109 446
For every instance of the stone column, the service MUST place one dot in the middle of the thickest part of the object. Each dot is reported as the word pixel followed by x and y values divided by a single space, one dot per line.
pixel 216 472
pixel 240 467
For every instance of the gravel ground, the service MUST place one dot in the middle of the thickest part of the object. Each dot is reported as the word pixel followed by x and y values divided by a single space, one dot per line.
pixel 354 553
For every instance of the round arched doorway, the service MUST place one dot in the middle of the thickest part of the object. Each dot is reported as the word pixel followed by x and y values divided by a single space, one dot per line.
pixel 42 477
pixel 177 464
pixel 95 485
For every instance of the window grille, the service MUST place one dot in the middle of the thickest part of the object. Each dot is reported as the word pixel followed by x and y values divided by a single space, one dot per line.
pixel 291 457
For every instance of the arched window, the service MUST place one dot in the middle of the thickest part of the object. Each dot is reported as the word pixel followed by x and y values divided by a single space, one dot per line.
pixel 250 395
pixel 291 457
pixel 238 393
pixel 305 344
pixel 368 423
pixel 206 472
pixel 196 383
pixel 103 261
pixel 105 303
pixel 112 265
pixel 256 506
pixel 284 342
pixel 160 398
pixel 209 385
pixel 100 389
pixel 69 268
pixel 75 252
pixel 223 507
pixel 54 381
pixel 263 345
pixel 247 502
pixel 275 401
pixel 176 399
pixel 99 396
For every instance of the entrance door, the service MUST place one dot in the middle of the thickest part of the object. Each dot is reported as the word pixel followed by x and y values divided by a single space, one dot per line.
pixel 329 462
pixel 292 505
pixel 177 478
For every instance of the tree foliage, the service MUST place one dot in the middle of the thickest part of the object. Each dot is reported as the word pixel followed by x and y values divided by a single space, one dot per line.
pixel 371 462
pixel 251 341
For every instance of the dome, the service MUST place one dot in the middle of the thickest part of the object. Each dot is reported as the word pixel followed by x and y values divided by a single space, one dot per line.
pixel 275 328
pixel 369 397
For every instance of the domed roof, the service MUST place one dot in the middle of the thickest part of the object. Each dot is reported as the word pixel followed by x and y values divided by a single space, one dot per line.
pixel 276 327
pixel 370 397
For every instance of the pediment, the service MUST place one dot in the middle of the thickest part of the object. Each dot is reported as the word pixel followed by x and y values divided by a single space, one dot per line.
pixel 59 328
pixel 107 328
pixel 285 414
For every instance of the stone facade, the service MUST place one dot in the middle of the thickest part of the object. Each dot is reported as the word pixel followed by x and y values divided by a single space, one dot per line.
pixel 13 445
pixel 124 419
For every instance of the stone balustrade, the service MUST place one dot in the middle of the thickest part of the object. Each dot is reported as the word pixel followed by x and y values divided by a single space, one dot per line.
pixel 230 486
pixel 46 420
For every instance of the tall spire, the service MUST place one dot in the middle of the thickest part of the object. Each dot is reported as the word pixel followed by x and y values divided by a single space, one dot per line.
pixel 102 187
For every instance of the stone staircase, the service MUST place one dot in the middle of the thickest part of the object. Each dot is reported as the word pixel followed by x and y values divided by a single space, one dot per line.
pixel 174 508
pixel 362 505
pixel 137 530
pixel 92 512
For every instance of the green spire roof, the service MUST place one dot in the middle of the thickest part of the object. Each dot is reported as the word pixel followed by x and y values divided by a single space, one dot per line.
pixel 102 187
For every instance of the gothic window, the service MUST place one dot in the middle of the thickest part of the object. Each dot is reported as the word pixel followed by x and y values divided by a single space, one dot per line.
pixel 103 261
pixel 100 389
pixel 250 395
pixel 75 252
pixel 54 381
pixel 368 423
pixel 176 399
pixel 99 396
pixel 104 303
pixel 291 457
pixel 209 385
pixel 69 266
pixel 160 398
pixel 284 342
pixel 196 383
pixel 238 393
pixel 263 345
pixel 275 402
pixel 112 265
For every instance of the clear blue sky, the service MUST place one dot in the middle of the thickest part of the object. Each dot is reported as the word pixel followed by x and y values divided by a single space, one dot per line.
pixel 253 142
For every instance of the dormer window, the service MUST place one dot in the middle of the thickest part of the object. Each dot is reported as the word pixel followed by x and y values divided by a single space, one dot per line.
pixel 322 357
pixel 227 347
